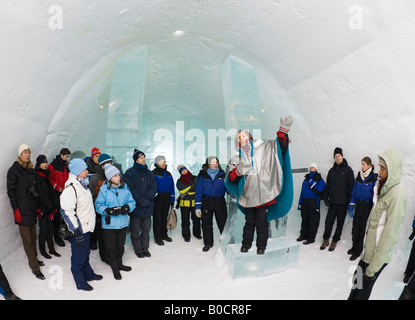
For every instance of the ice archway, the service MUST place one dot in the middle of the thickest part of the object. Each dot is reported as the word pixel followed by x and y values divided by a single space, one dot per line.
pixel 342 69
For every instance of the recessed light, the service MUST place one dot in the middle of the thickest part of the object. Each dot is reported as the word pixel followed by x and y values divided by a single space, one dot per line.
pixel 178 33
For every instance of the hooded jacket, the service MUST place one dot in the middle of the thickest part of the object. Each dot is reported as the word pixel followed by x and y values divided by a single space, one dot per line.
pixel 385 219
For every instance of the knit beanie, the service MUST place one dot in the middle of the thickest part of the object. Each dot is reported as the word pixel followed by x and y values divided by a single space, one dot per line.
pixel 209 159
pixel 77 166
pixel 338 150
pixel 314 165
pixel 41 159
pixel 22 148
pixel 95 151
pixel 137 154
pixel 104 158
pixel 180 168
pixel 110 171
pixel 158 159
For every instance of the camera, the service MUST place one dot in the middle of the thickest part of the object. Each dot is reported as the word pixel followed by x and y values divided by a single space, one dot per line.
pixel 33 192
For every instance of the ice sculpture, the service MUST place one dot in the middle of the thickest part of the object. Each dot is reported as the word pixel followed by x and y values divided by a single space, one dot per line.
pixel 242 110
pixel 125 105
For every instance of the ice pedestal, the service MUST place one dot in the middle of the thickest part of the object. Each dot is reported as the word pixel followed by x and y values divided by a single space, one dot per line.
pixel 281 252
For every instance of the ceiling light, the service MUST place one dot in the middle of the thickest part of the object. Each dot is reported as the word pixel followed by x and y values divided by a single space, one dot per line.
pixel 178 33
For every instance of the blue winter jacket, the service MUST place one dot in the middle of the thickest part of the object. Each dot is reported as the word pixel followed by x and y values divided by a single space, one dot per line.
pixel 109 197
pixel 208 187
pixel 143 187
pixel 363 190
pixel 312 187
pixel 165 182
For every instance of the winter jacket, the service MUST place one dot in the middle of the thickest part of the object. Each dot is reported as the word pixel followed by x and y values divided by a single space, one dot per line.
pixel 59 173
pixel 206 187
pixel 363 190
pixel 339 184
pixel 96 181
pixel 21 182
pixel 165 182
pixel 110 197
pixel 47 199
pixel 312 187
pixel 384 222
pixel 143 187
pixel 82 200
pixel 187 192
pixel 91 165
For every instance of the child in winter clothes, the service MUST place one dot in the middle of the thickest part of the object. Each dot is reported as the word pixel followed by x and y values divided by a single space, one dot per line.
pixel 47 207
pixel 163 201
pixel 361 202
pixel 186 184
pixel 78 212
pixel 114 203
pixel 210 199
pixel 92 161
pixel 309 204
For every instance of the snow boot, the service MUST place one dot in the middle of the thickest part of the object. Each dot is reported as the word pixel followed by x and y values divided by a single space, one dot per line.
pixel 333 246
pixel 51 246
pixel 324 244
pixel 43 252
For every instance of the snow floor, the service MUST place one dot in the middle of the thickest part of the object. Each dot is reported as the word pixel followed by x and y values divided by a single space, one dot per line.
pixel 182 271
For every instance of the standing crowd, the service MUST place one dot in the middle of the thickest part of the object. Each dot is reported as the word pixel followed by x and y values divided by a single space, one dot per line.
pixel 91 200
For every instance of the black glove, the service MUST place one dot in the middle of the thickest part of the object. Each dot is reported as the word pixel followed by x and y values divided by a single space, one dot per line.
pixel 411 237
pixel 125 209
pixel 109 211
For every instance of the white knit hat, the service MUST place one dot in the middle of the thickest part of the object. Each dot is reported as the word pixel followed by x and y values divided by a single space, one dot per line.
pixel 314 165
pixel 110 171
pixel 22 148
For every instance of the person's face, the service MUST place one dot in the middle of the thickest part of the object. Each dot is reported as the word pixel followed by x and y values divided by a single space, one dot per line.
pixel 242 139
pixel 116 179
pixel 83 174
pixel 43 165
pixel 141 160
pixel 65 157
pixel 338 158
pixel 184 172
pixel 383 173
pixel 213 164
pixel 95 158
pixel 312 169
pixel 365 166
pixel 25 156
pixel 162 164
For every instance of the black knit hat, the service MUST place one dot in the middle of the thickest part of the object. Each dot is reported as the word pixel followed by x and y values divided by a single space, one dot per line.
pixel 338 150
pixel 137 154
pixel 41 159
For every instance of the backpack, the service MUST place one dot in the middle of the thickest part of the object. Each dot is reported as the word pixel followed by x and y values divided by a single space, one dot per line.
pixel 171 220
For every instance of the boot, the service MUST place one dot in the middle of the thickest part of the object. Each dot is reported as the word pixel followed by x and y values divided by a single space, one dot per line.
pixel 333 246
pixel 51 246
pixel 407 294
pixel 324 244
pixel 43 251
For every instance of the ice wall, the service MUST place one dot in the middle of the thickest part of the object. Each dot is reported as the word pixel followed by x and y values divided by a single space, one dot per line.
pixel 342 69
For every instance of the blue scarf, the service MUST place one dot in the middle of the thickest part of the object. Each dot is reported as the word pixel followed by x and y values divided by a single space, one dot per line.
pixel 212 172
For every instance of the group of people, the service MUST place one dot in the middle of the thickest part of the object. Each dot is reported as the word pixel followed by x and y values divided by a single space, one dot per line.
pixel 376 203
pixel 98 204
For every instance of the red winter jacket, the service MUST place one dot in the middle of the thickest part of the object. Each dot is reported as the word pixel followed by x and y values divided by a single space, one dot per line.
pixel 59 173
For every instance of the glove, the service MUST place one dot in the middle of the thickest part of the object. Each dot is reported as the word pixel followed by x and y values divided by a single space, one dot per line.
pixel 171 204
pixel 411 237
pixel 17 216
pixel 39 213
pixel 299 207
pixel 198 213
pixel 351 210
pixel 109 211
pixel 125 209
pixel 52 214
pixel 116 211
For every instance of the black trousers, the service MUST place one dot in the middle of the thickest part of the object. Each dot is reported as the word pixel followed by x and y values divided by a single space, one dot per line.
pixel 114 240
pixel 336 211
pixel 161 211
pixel 213 206
pixel 256 218
pixel 362 211
pixel 188 213
pixel 310 219
pixel 46 228
pixel 362 288
pixel 4 284
pixel 410 267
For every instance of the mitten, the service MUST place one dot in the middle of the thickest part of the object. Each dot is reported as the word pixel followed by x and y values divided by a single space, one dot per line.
pixel 198 213
pixel 125 209
pixel 17 216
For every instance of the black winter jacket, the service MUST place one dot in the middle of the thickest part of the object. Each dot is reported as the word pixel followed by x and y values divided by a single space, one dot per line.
pixel 47 199
pixel 22 192
pixel 339 184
